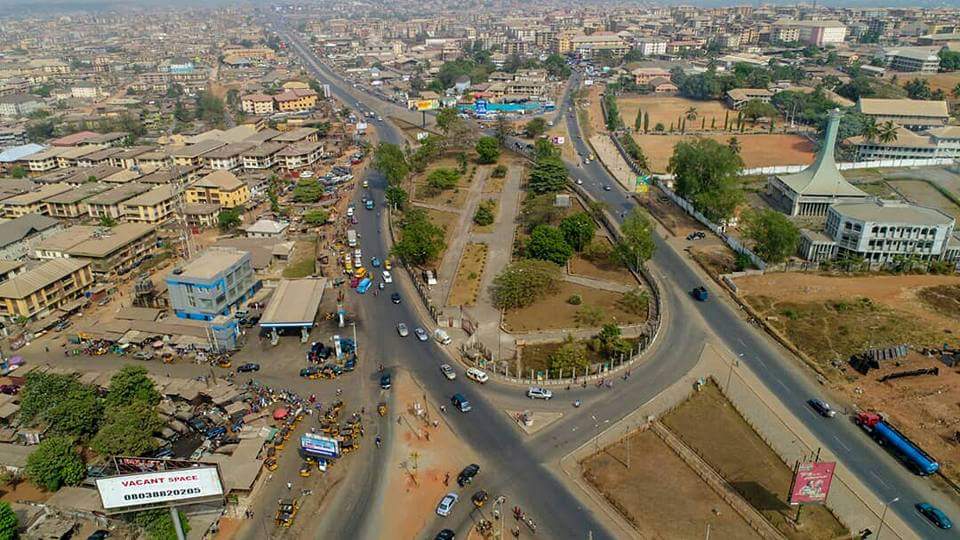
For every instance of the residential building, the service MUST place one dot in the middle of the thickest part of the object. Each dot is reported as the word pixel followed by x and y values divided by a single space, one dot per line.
pixel 12 136
pixel 261 157
pixel 228 157
pixel 33 202
pixel 910 113
pixel 588 46
pixel 881 231
pixel 736 98
pixel 651 46
pixel 154 206
pixel 214 283
pixel 219 187
pixel 109 204
pixel 19 105
pixel 19 235
pixel 299 155
pixel 299 135
pixel 266 228
pixel 257 104
pixel 643 76
pixel 8 269
pixel 36 293
pixel 44 160
pixel 662 85
pixel 201 215
pixel 192 154
pixel 913 59
pixel 295 99
pixel 811 191
pixel 72 204
pixel 85 91
pixel 816 33
pixel 112 251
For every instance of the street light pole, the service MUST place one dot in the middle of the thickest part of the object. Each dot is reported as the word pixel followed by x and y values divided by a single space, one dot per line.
pixel 356 344
pixel 883 515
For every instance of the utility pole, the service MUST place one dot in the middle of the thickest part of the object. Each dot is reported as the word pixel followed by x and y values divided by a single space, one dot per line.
pixel 178 527
pixel 356 344
pixel 883 515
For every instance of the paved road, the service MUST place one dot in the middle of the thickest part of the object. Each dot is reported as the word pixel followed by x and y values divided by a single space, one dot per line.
pixel 687 326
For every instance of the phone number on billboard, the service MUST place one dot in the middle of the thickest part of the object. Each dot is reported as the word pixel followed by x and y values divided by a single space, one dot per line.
pixel 160 494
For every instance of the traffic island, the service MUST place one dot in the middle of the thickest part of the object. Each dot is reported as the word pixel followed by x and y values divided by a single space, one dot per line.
pixel 531 422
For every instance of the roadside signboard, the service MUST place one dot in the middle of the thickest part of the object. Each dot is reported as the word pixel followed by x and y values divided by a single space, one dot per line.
pixel 811 483
pixel 159 488
pixel 480 107
pixel 426 105
pixel 319 445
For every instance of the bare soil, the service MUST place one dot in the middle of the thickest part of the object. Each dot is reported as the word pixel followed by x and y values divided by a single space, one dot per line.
pixel 554 313
pixel 944 299
pixel 302 261
pixel 668 214
pixel 452 198
pixel 922 193
pixel 757 150
pixel 605 270
pixel 709 424
pixel 671 109
pixel 683 511
pixel 466 283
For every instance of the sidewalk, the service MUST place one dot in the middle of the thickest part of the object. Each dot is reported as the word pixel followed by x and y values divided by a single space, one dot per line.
pixel 598 283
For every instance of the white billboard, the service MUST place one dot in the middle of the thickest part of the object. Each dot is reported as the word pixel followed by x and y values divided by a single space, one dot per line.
pixel 165 487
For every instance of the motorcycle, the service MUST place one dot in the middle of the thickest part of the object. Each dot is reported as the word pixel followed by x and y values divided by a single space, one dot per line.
pixel 576 404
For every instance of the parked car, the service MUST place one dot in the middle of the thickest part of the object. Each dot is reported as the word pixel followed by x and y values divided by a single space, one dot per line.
pixel 350 364
pixel 385 382
pixel 467 474
pixel 99 534
pixel 460 402
pixel 822 407
pixel 448 372
pixel 9 389
pixel 442 336
pixel 248 368
pixel 477 375
pixel 387 277
pixel 421 334
pixel 402 330
pixel 395 298
pixel 935 515
pixel 447 503
pixel 536 392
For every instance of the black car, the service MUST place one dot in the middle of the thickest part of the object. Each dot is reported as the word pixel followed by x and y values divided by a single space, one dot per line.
pixel 248 367
pixel 466 475
pixel 607 188
pixel 385 382
pixel 350 364
pixel 395 298
pixel 99 534
pixel 822 407
pixel 445 534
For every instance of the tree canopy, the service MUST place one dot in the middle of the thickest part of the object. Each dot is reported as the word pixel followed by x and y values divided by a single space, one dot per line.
pixel 548 175
pixel 60 402
pixel 535 128
pixel 228 219
pixel 636 244
pixel 421 240
pixel 578 230
pixel 774 236
pixel 130 385
pixel 8 521
pixel 705 172
pixel 443 178
pixel 388 158
pixel 568 356
pixel 488 150
pixel 307 190
pixel 55 463
pixel 396 196
pixel 524 282
pixel 316 217
pixel 128 430
pixel 547 243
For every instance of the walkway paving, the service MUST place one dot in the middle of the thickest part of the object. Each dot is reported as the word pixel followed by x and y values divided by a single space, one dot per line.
pixel 598 283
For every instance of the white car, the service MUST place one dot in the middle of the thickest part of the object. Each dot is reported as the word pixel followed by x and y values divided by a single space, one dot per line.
pixel 447 503
pixel 357 255
pixel 477 375
pixel 387 277
pixel 402 330
pixel 535 392
pixel 448 372
pixel 350 211
pixel 421 334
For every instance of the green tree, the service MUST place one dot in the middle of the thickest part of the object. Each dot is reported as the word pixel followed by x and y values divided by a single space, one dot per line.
pixel 613 112
pixel 887 132
pixel 590 315
pixel 180 113
pixel 548 175
pixel 396 196
pixel 539 209
pixel 18 171
pixel 919 89
pixel 544 148
pixel 55 463
pixel 108 221
pixel 949 60
pixel 159 525
pixel 635 245
pixel 705 172
pixel 130 385
pixel 535 128
pixel 8 521
pixel 524 282
pixel 634 150
pixel 635 301
pixel 307 190
pixel 388 158
pixel 61 403
pixel 774 236
pixel 210 108
pixel 502 129
pixel 548 244
pixel 568 357
pixel 484 215
pixel 638 121
pixel 446 118
pixel 421 240
pixel 755 109
pixel 578 230
pixel 316 217
pixel 500 171
pixel 646 122
pixel 488 150
pixel 609 343
pixel 128 430
pixel 443 178
pixel 228 219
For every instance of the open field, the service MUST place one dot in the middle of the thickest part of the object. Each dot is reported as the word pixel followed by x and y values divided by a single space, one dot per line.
pixel 683 511
pixel 757 150
pixel 922 193
pixel 610 270
pixel 535 356
pixel 553 312
pixel 830 318
pixel 302 262
pixel 709 424
pixel 938 81
pixel 466 283
pixel 453 198
pixel 668 110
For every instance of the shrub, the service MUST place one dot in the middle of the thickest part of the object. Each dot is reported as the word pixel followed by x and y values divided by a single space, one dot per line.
pixel 575 300
pixel 499 171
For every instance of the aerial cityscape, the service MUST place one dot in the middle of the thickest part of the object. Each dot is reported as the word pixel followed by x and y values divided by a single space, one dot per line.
pixel 648 270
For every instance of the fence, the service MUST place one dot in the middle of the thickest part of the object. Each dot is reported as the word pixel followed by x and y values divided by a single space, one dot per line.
pixel 845 166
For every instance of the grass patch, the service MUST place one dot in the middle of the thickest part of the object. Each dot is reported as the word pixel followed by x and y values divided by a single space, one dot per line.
pixel 302 261
pixel 454 198
pixel 554 312
pixel 466 283
pixel 943 299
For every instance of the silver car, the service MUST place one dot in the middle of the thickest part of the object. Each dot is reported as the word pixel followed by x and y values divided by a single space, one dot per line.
pixel 448 372
pixel 402 330
pixel 421 334
pixel 536 392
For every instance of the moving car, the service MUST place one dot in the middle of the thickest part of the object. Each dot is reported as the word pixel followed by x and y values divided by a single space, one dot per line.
pixel 466 475
pixel 445 534
pixel 935 515
pixel 395 298
pixel 460 402
pixel 375 262
pixel 477 375
pixel 248 367
pixel 448 372
pixel 822 407
pixel 446 504
pixel 421 334
pixel 442 336
pixel 402 330
pixel 387 265
pixel 536 392
pixel 387 277
pixel 700 293
pixel 385 382
pixel 365 184
pixel 607 188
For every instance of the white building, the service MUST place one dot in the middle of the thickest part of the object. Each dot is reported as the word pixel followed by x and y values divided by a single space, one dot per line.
pixel 941 142
pixel 913 59
pixel 817 33
pixel 882 231
pixel 652 46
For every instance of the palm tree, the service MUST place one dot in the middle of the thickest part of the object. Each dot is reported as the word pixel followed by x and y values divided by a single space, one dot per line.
pixel 887 132
pixel 870 130
pixel 691 113
pixel 734 144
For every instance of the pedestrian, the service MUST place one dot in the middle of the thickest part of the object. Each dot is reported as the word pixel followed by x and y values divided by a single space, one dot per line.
pixel 399 418
pixel 446 479
pixel 46 348
pixel 289 485
pixel 443 408
pixel 363 410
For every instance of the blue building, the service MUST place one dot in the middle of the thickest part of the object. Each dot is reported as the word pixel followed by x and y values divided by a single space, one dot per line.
pixel 217 282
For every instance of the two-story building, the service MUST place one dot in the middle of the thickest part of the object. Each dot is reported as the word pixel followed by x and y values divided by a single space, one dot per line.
pixel 219 187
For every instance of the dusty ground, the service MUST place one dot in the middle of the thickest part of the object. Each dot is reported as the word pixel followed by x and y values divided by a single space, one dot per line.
pixel 452 198
pixel 938 81
pixel 412 494
pixel 757 150
pixel 466 284
pixel 671 109
pixel 683 511
pixel 715 256
pixel 606 271
pixel 944 299
pixel 302 262
pixel 826 318
pixel 712 427
pixel 553 312
pixel 671 216
pixel 922 193
pixel 923 407
pixel 23 491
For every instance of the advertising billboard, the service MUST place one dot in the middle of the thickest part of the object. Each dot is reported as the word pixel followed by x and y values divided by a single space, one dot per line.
pixel 811 483
pixel 480 107
pixel 319 445
pixel 179 486
pixel 426 105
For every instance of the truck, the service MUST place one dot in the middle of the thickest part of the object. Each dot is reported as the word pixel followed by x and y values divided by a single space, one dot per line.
pixel 886 435
pixel 352 238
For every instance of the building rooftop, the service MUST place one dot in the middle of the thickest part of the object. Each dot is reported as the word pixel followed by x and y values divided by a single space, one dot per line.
pixel 119 193
pixel 79 193
pixel 220 180
pixel 893 212
pixel 155 196
pixel 300 149
pixel 15 230
pixel 107 240
pixel 295 135
pixel 16 153
pixel 166 176
pixel 29 282
pixel 903 107
pixel 229 150
pixel 267 226
pixel 822 178
pixel 294 303
pixel 208 264
pixel 74 138
pixel 196 150
pixel 38 195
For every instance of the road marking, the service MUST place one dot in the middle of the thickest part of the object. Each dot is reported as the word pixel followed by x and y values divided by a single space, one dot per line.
pixel 878 477
pixel 841 443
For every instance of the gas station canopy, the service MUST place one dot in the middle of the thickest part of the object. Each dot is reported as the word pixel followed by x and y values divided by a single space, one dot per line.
pixel 294 303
